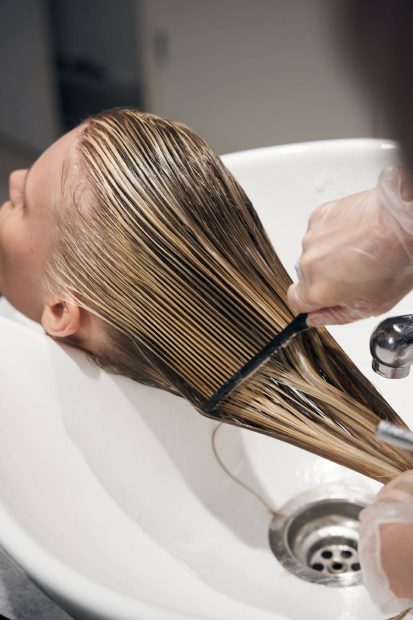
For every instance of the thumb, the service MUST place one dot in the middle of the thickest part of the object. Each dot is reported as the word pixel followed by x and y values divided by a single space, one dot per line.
pixel 298 300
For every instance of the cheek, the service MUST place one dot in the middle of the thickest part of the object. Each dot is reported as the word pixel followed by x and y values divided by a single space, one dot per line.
pixel 19 269
pixel 14 248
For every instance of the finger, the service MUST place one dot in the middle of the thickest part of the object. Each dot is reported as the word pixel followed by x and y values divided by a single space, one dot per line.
pixel 297 298
pixel 402 486
pixel 337 315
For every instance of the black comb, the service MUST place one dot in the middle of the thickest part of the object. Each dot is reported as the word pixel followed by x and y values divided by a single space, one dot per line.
pixel 281 340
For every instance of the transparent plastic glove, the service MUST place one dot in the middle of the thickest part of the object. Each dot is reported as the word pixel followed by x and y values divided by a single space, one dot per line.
pixel 386 546
pixel 357 258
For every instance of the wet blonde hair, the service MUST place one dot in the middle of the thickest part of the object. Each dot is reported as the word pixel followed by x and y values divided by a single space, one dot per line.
pixel 165 247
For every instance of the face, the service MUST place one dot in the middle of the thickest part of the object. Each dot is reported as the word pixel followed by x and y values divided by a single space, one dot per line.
pixel 26 226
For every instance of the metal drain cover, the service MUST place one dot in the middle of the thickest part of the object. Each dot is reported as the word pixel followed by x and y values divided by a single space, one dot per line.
pixel 316 539
pixel 334 558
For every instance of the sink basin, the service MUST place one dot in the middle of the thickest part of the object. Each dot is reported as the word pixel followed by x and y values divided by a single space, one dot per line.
pixel 111 498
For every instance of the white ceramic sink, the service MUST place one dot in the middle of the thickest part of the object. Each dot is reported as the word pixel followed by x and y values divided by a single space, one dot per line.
pixel 110 496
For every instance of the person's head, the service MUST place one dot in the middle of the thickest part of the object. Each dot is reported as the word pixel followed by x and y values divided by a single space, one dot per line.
pixel 93 228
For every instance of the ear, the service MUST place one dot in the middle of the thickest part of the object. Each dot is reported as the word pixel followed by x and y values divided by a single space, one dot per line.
pixel 61 318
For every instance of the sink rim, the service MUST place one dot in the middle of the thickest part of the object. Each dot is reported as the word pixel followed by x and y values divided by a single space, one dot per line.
pixel 52 574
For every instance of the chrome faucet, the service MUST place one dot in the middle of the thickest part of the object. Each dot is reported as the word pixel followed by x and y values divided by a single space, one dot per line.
pixel 391 346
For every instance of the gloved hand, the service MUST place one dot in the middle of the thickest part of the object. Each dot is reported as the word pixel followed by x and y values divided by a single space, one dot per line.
pixel 357 258
pixel 386 546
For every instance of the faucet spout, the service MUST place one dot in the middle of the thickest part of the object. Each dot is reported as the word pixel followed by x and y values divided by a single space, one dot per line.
pixel 391 347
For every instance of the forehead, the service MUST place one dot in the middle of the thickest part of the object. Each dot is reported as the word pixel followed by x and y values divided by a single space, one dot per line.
pixel 44 182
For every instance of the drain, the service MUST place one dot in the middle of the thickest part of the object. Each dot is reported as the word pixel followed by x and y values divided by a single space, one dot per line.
pixel 316 539
pixel 335 556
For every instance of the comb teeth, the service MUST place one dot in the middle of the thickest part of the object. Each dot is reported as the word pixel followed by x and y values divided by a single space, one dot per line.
pixel 280 341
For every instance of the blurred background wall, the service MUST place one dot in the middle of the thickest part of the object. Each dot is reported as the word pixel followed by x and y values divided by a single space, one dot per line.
pixel 243 73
